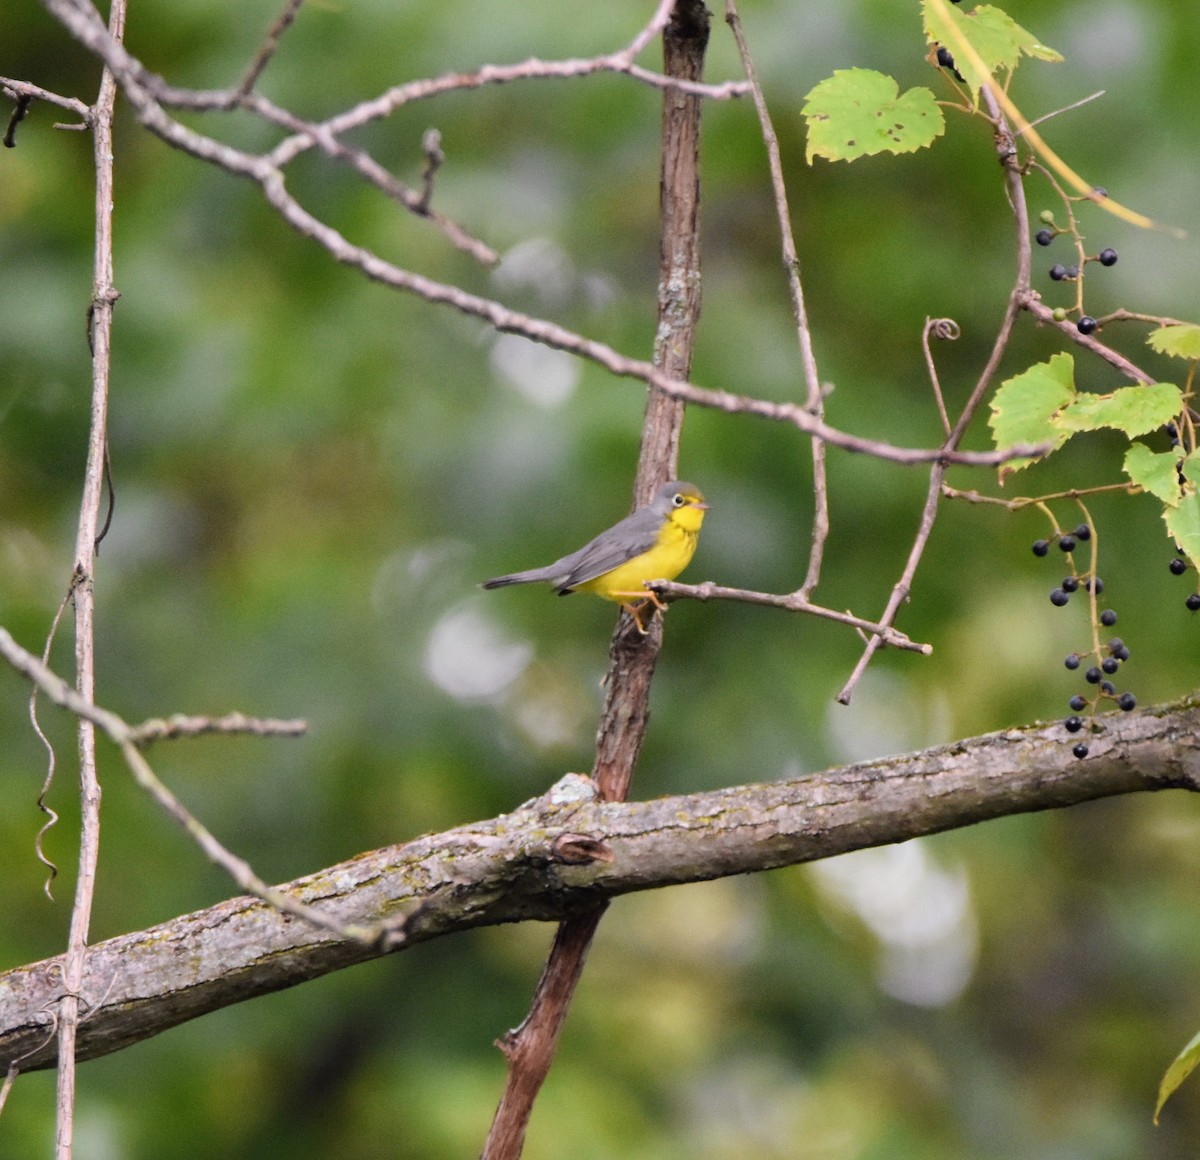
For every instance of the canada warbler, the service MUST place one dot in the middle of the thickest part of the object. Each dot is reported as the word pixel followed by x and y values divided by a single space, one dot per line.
pixel 654 543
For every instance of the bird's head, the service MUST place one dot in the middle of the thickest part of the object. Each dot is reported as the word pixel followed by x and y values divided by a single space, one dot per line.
pixel 681 503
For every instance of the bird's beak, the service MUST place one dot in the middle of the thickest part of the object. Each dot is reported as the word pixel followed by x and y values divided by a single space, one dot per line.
pixel 698 504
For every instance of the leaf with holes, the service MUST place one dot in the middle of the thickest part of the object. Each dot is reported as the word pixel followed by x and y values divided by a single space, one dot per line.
pixel 857 112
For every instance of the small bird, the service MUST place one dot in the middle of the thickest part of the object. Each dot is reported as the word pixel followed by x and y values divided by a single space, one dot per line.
pixel 656 542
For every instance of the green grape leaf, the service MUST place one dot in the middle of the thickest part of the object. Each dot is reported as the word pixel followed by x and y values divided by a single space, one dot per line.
pixel 1134 410
pixel 1155 472
pixel 1024 407
pixel 1183 524
pixel 1180 341
pixel 1181 1067
pixel 995 36
pixel 857 112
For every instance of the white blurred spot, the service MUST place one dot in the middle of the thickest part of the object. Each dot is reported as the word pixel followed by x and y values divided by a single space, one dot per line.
pixel 539 265
pixel 543 375
pixel 886 716
pixel 1115 37
pixel 416 574
pixel 600 290
pixel 467 657
pixel 549 718
pixel 920 913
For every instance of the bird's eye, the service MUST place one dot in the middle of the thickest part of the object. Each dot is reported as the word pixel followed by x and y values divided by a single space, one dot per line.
pixel 677 499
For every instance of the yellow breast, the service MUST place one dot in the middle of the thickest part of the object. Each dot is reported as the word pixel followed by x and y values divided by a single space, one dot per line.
pixel 673 552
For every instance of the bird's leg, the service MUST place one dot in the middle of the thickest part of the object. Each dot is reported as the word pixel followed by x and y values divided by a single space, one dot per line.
pixel 636 610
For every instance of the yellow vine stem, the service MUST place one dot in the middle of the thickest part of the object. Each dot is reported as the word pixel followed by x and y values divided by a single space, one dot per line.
pixel 963 48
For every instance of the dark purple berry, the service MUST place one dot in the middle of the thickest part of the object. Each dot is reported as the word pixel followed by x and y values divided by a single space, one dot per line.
pixel 1108 687
pixel 1057 273
pixel 1193 602
pixel 1122 653
pixel 1096 585
pixel 1066 543
pixel 1043 237
pixel 1072 661
pixel 1070 584
pixel 1127 702
pixel 1108 257
pixel 1080 751
pixel 1092 676
pixel 1178 566
pixel 1072 271
pixel 1073 724
pixel 944 58
pixel 1041 547
pixel 1083 532
pixel 1077 703
pixel 1108 618
pixel 1086 325
pixel 1110 665
pixel 1058 598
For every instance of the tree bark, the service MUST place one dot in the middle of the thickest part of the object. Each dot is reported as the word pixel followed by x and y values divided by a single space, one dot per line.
pixel 523 866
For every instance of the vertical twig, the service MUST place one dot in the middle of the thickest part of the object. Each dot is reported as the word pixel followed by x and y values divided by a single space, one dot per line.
pixel 1013 177
pixel 267 50
pixel 18 115
pixel 104 296
pixel 530 1048
pixel 814 397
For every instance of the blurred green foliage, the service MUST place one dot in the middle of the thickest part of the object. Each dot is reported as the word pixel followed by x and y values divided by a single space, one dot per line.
pixel 313 473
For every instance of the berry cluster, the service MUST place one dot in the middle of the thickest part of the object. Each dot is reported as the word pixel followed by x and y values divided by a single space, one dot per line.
pixel 1179 567
pixel 1085 324
pixel 1109 659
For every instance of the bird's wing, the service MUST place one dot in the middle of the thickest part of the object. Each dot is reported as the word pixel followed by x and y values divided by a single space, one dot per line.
pixel 635 534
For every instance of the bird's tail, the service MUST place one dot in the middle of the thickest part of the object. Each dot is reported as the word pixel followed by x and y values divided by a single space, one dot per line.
pixel 530 577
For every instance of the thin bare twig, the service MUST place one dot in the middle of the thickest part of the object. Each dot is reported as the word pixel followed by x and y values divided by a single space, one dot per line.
pixel 1031 302
pixel 263 57
pixel 1005 149
pixel 179 725
pixel 815 399
pixel 532 69
pixel 791 602
pixel 1016 503
pixel 325 135
pixel 431 147
pixel 372 171
pixel 100 312
pixel 17 90
pixel 1058 112
pixel 261 170
pixel 16 117
pixel 948 330
pixel 130 739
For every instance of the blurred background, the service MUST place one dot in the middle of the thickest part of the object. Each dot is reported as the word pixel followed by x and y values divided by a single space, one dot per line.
pixel 314 473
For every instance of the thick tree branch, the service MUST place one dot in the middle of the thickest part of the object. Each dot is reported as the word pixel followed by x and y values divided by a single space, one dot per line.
pixel 525 865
